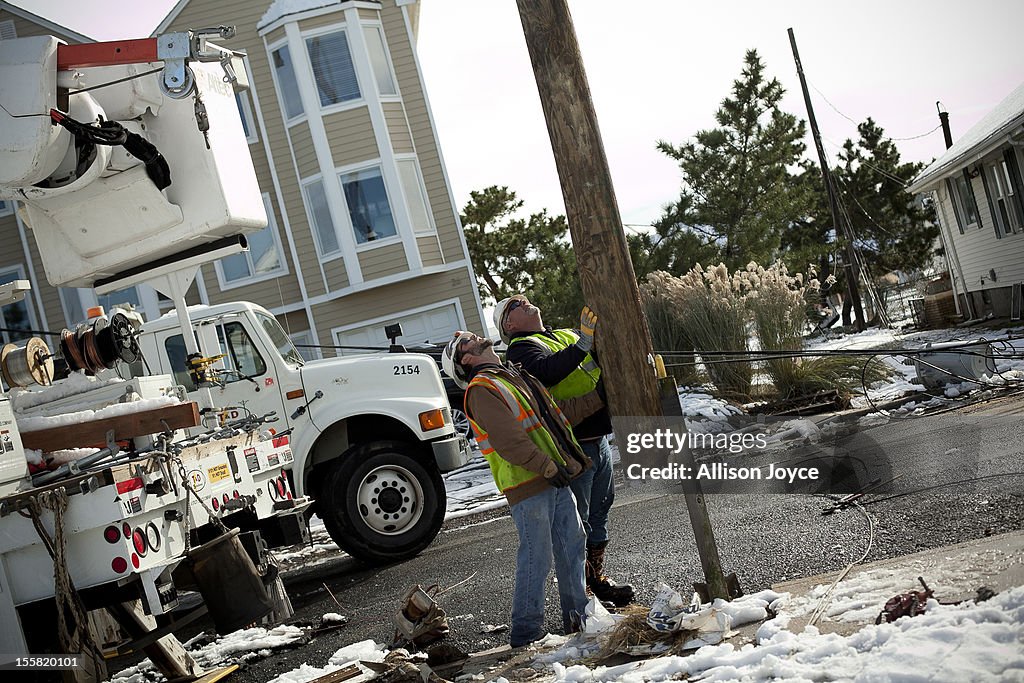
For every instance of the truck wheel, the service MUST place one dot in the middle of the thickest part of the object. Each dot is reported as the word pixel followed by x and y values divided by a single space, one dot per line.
pixel 380 504
pixel 461 423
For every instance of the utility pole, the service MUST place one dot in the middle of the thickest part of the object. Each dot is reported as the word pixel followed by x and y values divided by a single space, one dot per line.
pixel 850 258
pixel 602 257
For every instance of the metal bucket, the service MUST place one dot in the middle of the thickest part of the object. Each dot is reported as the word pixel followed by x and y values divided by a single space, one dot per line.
pixel 230 585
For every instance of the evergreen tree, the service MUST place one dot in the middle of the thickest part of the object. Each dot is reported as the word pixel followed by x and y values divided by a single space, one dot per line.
pixel 892 229
pixel 738 192
pixel 511 255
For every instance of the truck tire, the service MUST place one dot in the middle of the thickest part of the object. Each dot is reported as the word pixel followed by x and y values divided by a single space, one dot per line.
pixel 380 504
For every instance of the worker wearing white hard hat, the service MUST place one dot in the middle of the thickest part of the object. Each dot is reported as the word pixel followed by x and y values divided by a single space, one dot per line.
pixel 527 440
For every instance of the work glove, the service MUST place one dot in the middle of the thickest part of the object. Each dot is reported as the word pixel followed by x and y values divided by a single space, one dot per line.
pixel 588 321
pixel 557 475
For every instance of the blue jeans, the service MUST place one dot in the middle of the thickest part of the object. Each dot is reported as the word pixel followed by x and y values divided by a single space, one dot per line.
pixel 548 524
pixel 595 490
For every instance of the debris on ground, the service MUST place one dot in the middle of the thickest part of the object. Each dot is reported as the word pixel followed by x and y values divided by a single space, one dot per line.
pixel 420 620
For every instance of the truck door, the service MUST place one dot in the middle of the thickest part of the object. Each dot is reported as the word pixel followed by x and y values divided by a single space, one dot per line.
pixel 248 377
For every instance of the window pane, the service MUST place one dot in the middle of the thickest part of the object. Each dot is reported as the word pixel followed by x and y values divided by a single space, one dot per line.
pixel 379 61
pixel 279 339
pixel 72 301
pixel 235 267
pixel 323 225
pixel 966 200
pixel 175 347
pixel 263 251
pixel 242 114
pixel 15 316
pixel 289 88
pixel 332 68
pixel 246 360
pixel 5 207
pixel 129 295
pixel 368 205
pixel 414 195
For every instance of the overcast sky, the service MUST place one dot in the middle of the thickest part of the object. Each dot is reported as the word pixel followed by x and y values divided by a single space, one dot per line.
pixel 658 70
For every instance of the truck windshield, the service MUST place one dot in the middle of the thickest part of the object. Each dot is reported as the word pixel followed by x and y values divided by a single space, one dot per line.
pixel 279 339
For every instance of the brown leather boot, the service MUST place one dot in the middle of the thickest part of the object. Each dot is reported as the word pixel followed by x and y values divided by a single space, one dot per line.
pixel 600 585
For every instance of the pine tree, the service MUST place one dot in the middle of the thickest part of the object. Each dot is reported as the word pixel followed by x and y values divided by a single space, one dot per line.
pixel 892 229
pixel 737 191
pixel 515 256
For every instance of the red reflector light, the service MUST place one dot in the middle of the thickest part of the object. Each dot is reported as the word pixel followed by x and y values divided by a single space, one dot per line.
pixel 280 487
pixel 280 441
pixel 216 504
pixel 139 541
pixel 236 494
pixel 119 565
pixel 129 485
pixel 135 560
pixel 225 499
pixel 126 529
pixel 111 534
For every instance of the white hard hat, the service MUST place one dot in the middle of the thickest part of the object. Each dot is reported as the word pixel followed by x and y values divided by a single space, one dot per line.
pixel 448 364
pixel 499 315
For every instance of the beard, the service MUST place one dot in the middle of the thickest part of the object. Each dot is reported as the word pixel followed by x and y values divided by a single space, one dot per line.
pixel 484 344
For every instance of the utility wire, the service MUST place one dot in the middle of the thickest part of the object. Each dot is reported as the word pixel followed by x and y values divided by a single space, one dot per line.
pixel 836 109
pixel 120 80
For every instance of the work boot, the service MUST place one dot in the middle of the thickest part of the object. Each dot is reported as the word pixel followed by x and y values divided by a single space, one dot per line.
pixel 600 585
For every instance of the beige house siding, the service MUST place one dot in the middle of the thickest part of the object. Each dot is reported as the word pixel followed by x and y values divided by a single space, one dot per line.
pixel 383 261
pixel 275 35
pixel 430 251
pixel 411 87
pixel 305 154
pixel 50 295
pixel 337 277
pixel 395 298
pixel 294 322
pixel 398 128
pixel 351 136
pixel 332 19
pixel 369 14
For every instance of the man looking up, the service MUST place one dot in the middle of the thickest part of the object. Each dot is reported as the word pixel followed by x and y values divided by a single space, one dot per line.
pixel 565 361
pixel 533 456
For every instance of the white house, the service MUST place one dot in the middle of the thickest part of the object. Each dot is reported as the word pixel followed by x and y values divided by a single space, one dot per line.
pixel 979 198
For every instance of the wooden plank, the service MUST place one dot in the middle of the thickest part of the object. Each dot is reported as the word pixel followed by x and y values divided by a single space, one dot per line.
pixel 128 426
pixel 343 674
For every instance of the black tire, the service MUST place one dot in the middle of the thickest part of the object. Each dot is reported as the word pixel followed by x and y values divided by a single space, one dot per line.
pixel 378 529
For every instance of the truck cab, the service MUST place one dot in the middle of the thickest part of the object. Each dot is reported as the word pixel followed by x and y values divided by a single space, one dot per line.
pixel 371 434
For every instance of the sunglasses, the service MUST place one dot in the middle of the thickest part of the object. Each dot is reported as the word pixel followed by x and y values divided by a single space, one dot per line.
pixel 514 304
pixel 460 350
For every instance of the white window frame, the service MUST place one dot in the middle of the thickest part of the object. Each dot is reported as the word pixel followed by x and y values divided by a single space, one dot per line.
pixel 311 220
pixel 282 269
pixel 397 95
pixel 960 207
pixel 402 158
pixel 247 117
pixel 298 118
pixel 1002 188
pixel 7 207
pixel 365 166
pixel 360 101
pixel 33 318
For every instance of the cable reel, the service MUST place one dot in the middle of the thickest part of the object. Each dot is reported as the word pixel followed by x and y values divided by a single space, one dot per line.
pixel 100 345
pixel 26 365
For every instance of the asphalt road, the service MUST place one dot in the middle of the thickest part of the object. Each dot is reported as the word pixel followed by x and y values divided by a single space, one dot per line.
pixel 764 538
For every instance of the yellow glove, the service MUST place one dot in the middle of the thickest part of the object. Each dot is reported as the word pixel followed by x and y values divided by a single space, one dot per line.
pixel 588 321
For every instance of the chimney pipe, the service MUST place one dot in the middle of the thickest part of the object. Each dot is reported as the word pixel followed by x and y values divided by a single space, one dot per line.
pixel 944 120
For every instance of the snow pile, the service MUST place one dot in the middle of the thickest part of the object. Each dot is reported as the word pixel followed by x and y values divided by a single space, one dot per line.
pixel 363 651
pixel 242 645
pixel 34 424
pixel 967 642
pixel 74 384
pixel 471 489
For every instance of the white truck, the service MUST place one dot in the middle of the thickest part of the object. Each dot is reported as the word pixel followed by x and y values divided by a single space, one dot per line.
pixel 371 434
pixel 126 177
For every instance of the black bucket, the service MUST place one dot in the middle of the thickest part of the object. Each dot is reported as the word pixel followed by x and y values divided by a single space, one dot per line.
pixel 231 587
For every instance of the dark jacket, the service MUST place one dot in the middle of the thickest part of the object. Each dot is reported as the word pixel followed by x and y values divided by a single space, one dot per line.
pixel 551 368
pixel 489 410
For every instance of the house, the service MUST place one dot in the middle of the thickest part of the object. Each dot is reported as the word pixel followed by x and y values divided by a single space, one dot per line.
pixel 363 227
pixel 979 199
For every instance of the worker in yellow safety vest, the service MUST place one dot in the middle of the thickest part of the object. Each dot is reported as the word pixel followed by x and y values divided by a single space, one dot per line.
pixel 566 362
pixel 528 442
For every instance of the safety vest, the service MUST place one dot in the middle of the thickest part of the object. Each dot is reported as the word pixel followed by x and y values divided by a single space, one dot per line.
pixel 580 381
pixel 506 475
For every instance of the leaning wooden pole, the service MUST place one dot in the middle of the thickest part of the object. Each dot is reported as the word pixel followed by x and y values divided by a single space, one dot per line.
pixel 602 257
pixel 850 259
